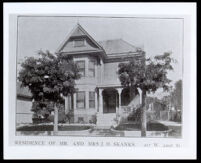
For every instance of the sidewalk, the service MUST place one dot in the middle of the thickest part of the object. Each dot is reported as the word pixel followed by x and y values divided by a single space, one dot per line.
pixel 105 133
pixel 170 123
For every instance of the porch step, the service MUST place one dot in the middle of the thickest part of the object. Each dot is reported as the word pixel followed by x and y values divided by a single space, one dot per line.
pixel 105 120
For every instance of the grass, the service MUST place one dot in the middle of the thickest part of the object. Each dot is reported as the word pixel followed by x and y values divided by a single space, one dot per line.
pixel 151 126
pixel 176 131
pixel 50 128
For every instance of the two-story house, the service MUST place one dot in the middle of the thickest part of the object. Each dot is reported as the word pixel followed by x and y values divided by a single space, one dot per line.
pixel 99 91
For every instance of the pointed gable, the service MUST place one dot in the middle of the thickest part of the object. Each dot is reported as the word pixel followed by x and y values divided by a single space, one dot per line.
pixel 77 32
pixel 79 41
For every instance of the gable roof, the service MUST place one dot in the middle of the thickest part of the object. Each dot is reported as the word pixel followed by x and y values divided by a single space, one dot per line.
pixel 110 50
pixel 77 32
pixel 117 46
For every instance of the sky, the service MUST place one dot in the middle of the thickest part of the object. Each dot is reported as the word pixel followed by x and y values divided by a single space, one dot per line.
pixel 156 36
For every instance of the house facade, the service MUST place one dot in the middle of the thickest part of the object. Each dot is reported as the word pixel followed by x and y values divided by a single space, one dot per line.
pixel 24 105
pixel 99 91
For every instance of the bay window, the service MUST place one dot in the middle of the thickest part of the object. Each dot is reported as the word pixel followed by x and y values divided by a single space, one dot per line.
pixel 91 72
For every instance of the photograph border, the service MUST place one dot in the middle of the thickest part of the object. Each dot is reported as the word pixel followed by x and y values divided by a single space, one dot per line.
pixel 188 146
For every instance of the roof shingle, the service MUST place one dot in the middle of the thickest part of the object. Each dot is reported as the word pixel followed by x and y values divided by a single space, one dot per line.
pixel 117 46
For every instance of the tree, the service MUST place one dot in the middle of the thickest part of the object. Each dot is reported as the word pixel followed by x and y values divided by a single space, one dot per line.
pixel 177 95
pixel 146 75
pixel 48 78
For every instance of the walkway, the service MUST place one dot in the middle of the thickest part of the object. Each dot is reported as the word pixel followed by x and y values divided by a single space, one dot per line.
pixel 170 123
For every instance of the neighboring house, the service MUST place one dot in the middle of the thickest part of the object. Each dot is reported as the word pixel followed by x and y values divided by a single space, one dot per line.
pixel 160 110
pixel 154 104
pixel 99 91
pixel 154 108
pixel 24 105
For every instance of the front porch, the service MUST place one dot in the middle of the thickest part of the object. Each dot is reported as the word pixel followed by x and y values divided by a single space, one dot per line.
pixel 112 102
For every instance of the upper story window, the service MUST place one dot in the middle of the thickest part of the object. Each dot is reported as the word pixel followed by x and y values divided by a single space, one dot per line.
pixel 91 68
pixel 81 67
pixel 79 42
pixel 80 100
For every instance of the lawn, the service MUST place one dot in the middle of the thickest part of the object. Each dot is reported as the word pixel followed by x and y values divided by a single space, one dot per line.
pixel 176 131
pixel 50 128
pixel 151 126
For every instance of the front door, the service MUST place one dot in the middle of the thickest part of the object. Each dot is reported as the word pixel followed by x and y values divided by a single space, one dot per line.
pixel 109 101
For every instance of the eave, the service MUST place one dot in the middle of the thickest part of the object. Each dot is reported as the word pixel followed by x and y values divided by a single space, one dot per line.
pixel 101 52
pixel 122 57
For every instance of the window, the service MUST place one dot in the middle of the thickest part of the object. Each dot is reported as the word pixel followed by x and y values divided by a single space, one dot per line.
pixel 80 100
pixel 79 43
pixel 91 99
pixel 81 67
pixel 91 69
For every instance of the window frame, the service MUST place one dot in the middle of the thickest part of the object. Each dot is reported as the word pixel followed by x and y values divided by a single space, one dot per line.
pixel 78 100
pixel 94 99
pixel 92 69
pixel 83 69
pixel 80 39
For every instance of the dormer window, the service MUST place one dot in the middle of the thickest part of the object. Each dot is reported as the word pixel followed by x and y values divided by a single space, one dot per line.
pixel 79 42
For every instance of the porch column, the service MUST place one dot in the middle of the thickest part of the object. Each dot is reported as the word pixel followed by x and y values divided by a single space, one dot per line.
pixel 140 92
pixel 100 101
pixel 119 93
pixel 96 101
pixel 102 70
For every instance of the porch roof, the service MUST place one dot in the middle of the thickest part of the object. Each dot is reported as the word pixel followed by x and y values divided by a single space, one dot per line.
pixel 109 86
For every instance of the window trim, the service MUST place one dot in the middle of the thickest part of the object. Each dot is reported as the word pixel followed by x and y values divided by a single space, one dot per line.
pixel 80 39
pixel 92 69
pixel 82 68
pixel 94 100
pixel 80 100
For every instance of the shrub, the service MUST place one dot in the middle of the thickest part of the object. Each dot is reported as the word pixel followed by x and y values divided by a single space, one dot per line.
pixel 93 119
pixel 156 126
pixel 151 126
pixel 61 117
pixel 135 115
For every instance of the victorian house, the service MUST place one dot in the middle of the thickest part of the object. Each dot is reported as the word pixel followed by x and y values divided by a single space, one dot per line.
pixel 99 91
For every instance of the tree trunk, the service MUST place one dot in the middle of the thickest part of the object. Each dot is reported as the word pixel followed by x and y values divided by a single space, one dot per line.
pixel 143 115
pixel 55 118
pixel 130 93
pixel 66 105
